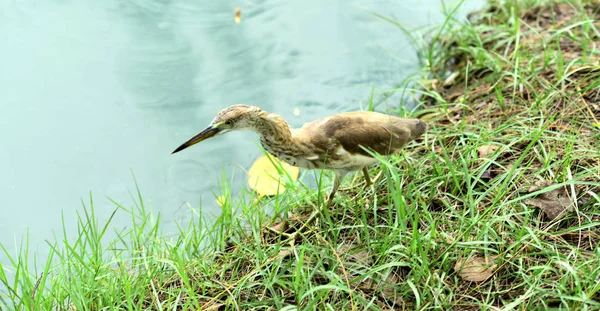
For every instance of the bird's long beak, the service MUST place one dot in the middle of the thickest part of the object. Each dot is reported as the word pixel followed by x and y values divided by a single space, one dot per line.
pixel 207 133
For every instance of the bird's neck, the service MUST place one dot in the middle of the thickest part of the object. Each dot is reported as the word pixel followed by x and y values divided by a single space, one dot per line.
pixel 275 133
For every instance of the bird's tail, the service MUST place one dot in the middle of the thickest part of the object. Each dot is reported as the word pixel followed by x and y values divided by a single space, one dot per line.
pixel 419 129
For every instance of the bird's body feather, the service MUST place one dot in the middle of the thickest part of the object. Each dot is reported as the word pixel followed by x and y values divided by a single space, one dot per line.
pixel 341 141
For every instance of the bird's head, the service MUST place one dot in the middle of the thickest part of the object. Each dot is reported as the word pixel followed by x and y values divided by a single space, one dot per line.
pixel 236 117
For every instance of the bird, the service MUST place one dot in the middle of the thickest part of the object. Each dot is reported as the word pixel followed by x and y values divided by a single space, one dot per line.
pixel 343 142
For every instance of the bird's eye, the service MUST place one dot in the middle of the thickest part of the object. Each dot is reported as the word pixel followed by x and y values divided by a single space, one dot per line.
pixel 230 123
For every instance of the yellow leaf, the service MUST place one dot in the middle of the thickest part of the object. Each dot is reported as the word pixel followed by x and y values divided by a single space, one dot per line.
pixel 264 177
pixel 238 15
pixel 221 200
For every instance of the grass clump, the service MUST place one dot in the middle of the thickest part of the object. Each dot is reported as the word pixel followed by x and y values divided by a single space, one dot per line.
pixel 496 207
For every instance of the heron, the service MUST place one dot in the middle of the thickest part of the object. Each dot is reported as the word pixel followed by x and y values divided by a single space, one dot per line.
pixel 343 142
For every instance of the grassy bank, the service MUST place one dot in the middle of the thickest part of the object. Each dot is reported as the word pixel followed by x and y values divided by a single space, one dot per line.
pixel 496 207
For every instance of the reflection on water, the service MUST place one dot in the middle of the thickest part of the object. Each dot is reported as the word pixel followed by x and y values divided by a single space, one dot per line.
pixel 92 90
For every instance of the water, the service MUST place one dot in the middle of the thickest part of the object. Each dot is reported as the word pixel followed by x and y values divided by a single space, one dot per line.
pixel 92 90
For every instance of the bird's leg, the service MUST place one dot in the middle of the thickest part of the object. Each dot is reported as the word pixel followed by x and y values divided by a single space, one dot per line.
pixel 339 175
pixel 367 178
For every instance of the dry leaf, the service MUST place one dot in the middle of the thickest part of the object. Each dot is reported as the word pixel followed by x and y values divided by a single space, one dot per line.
pixel 487 175
pixel 448 238
pixel 279 227
pixel 212 306
pixel 552 203
pixel 388 290
pixel 350 253
pixel 238 15
pixel 451 78
pixel 386 287
pixel 476 268
pixel 264 177
pixel 486 150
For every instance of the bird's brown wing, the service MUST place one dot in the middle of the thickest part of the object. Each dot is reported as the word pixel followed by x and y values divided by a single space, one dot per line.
pixel 377 132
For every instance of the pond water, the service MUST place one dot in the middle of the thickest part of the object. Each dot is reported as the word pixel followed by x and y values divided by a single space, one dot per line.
pixel 91 91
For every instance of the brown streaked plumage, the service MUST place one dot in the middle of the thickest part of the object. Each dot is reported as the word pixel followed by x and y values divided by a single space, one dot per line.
pixel 339 142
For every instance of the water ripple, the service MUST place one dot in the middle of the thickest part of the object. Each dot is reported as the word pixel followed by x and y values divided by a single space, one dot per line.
pixel 191 176
pixel 159 70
